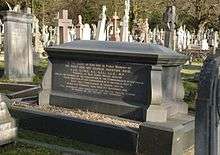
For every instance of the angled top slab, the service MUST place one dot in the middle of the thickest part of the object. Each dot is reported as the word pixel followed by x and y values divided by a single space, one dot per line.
pixel 121 51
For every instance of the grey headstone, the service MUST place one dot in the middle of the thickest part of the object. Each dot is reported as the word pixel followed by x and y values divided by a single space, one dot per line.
pixel 207 109
pixel 170 21
pixel 18 46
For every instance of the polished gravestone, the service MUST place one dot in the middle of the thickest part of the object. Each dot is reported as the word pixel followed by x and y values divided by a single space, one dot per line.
pixel 8 130
pixel 131 80
pixel 208 108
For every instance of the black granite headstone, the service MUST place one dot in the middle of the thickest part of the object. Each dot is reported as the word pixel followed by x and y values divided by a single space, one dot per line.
pixel 207 128
pixel 121 79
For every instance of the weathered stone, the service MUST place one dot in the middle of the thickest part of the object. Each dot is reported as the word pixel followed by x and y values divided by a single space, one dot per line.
pixel 18 46
pixel 8 128
pixel 170 21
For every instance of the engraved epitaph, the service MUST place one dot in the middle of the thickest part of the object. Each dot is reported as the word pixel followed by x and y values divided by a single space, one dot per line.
pixel 114 81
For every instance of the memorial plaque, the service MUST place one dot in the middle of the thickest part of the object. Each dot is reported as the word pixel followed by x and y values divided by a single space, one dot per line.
pixel 121 79
pixel 113 81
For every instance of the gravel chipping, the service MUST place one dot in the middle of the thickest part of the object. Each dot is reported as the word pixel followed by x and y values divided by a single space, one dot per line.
pixel 84 115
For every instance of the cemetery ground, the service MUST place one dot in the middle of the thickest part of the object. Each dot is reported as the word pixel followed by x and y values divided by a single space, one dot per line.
pixel 37 143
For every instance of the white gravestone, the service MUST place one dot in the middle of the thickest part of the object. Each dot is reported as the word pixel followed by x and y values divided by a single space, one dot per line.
pixel 38 45
pixel 94 29
pixel 180 38
pixel 86 32
pixel 100 33
pixel 72 34
pixel 45 35
pixel 0 33
pixel 125 24
pixel 188 39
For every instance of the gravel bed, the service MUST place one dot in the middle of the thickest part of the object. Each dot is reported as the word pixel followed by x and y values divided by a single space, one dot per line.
pixel 85 115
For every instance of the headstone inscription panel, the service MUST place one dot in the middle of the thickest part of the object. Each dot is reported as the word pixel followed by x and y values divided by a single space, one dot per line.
pixel 113 81
pixel 120 79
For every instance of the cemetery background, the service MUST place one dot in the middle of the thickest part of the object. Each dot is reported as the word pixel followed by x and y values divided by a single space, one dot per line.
pixel 189 72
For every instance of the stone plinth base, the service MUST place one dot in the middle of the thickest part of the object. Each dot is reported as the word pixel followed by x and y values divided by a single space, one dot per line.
pixel 171 138
pixel 161 113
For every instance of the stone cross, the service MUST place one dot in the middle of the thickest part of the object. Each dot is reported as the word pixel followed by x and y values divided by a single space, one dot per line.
pixel 64 23
pixel 115 36
pixel 170 20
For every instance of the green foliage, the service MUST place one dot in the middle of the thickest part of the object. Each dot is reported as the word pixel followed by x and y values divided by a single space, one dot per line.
pixel 156 19
pixel 193 14
pixel 191 89
pixel 189 72
pixel 91 11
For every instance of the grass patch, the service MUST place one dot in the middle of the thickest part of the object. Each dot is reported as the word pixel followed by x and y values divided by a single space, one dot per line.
pixel 25 149
pixel 190 83
pixel 190 93
pixel 39 71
